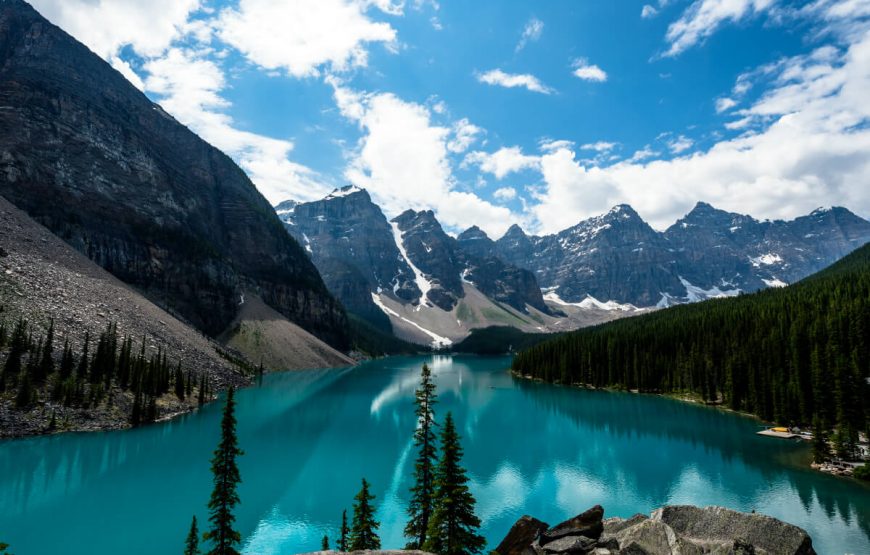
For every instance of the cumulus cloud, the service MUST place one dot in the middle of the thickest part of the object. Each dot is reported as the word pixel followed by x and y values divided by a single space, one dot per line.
pixel 403 161
pixel 680 144
pixel 190 88
pixel 704 17
pixel 588 72
pixel 505 194
pixel 531 32
pixel 502 162
pixel 600 146
pixel 811 147
pixel 464 134
pixel 511 80
pixel 105 26
pixel 303 36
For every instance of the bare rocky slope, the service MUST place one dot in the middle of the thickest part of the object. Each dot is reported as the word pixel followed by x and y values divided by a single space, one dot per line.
pixel 94 160
pixel 44 279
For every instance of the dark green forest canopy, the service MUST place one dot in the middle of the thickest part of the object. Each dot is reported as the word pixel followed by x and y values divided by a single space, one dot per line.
pixel 786 355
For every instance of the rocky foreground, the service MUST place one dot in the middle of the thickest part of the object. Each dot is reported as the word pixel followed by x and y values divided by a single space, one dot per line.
pixel 670 530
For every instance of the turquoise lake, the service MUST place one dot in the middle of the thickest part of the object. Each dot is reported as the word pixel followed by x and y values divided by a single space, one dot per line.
pixel 310 436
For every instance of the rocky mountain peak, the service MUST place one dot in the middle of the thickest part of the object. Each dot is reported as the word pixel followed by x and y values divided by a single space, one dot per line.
pixel 349 192
pixel 472 233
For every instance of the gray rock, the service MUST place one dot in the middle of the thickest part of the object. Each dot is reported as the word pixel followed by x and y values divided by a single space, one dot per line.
pixel 651 536
pixel 521 535
pixel 615 525
pixel 588 523
pixel 570 545
pixel 718 525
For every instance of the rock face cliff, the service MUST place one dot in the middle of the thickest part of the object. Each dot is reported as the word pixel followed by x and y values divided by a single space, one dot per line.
pixel 708 253
pixel 90 157
pixel 410 259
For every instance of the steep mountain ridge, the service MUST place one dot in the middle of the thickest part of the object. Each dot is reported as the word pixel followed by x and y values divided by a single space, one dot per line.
pixel 708 253
pixel 408 273
pixel 90 157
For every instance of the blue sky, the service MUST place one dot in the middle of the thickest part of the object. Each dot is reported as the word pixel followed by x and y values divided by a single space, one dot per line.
pixel 493 112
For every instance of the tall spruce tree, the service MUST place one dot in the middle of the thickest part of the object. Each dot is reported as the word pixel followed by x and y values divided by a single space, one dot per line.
pixel 46 362
pixel 224 497
pixel 423 490
pixel 17 347
pixel 453 525
pixel 191 544
pixel 342 538
pixel 363 533
pixel 324 543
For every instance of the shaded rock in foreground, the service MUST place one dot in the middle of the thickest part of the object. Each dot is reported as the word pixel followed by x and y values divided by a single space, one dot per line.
pixel 588 524
pixel 684 530
pixel 522 534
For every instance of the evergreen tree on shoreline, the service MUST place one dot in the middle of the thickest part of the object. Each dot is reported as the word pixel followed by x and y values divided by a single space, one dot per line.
pixel 342 541
pixel 225 497
pixel 191 544
pixel 324 543
pixel 423 490
pixel 453 525
pixel 363 533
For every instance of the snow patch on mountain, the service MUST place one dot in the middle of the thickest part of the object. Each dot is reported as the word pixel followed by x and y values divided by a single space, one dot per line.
pixel 765 259
pixel 774 282
pixel 438 342
pixel 696 294
pixel 423 284
pixel 343 192
pixel 589 302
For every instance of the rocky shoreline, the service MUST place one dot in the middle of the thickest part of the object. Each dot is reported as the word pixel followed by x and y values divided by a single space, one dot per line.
pixel 669 530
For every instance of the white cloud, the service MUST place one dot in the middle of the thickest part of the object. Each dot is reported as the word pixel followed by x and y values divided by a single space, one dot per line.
pixel 600 146
pixel 303 36
pixel 704 17
pixel 549 145
pixel 680 144
pixel 464 134
pixel 127 71
pixel 190 89
pixel 502 162
pixel 403 161
pixel 105 26
pixel 724 104
pixel 531 32
pixel 648 11
pixel 810 146
pixel 505 194
pixel 588 72
pixel 511 80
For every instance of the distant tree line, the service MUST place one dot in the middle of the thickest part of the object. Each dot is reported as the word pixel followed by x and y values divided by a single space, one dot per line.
pixel 35 371
pixel 796 356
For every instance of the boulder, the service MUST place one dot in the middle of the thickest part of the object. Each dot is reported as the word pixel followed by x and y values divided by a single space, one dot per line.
pixel 521 535
pixel 718 526
pixel 647 536
pixel 613 526
pixel 588 523
pixel 570 545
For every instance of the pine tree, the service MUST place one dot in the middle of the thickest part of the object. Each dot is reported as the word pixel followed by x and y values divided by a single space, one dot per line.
pixel 24 397
pixel 46 362
pixel 224 497
pixel 821 450
pixel 363 533
pixel 324 543
pixel 179 382
pixel 453 526
pixel 342 541
pixel 191 544
pixel 67 362
pixel 82 370
pixel 423 490
pixel 18 346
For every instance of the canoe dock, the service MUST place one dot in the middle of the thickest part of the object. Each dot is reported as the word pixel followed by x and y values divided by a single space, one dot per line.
pixel 784 433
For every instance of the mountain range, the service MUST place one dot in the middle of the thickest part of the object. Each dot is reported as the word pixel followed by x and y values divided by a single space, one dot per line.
pixel 407 274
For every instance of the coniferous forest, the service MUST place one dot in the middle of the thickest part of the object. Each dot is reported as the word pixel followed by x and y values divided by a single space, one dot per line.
pixel 107 371
pixel 795 356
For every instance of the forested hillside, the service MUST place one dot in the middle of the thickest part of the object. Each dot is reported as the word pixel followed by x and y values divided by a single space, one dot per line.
pixel 799 355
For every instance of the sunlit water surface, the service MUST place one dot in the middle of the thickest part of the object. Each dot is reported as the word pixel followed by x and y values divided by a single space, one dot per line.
pixel 310 436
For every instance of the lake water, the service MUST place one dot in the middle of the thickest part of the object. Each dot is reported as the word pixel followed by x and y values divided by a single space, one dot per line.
pixel 310 436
